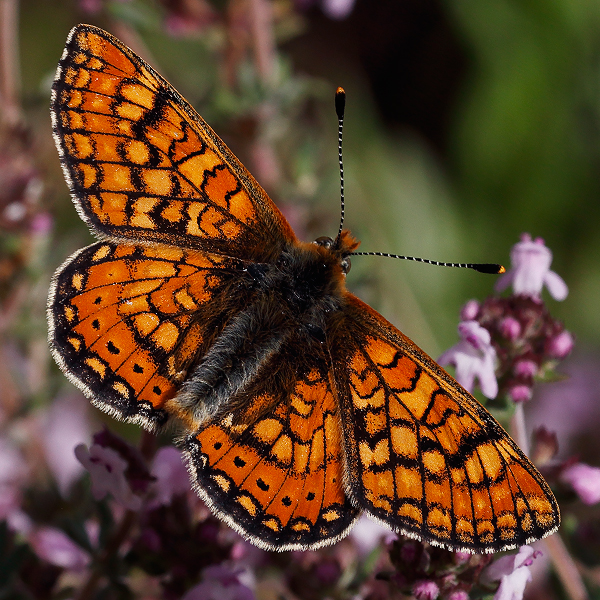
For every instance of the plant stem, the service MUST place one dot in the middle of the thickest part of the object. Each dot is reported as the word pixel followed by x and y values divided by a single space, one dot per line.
pixel 563 562
pixel 566 568
pixel 112 547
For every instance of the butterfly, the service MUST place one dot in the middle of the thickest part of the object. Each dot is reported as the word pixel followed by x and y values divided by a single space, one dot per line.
pixel 302 407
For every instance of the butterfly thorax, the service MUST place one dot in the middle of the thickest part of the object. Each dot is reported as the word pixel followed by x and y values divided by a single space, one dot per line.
pixel 305 277
pixel 307 274
pixel 294 297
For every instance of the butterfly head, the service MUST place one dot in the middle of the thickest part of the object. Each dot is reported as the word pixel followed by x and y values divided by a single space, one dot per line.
pixel 310 276
pixel 340 248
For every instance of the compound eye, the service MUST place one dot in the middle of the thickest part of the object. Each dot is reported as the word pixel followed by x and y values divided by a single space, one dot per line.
pixel 345 264
pixel 324 241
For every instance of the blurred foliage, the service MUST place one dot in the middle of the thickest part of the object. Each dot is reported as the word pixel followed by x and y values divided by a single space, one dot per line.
pixel 526 138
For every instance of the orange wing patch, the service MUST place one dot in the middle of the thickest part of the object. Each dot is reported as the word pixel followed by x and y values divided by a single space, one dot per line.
pixel 426 458
pixel 143 165
pixel 131 320
pixel 274 468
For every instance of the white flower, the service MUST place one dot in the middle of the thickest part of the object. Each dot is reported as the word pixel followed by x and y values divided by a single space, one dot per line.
pixel 530 271
pixel 107 471
pixel 473 357
pixel 512 572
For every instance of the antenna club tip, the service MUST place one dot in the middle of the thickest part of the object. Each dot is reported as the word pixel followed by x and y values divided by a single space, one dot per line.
pixel 340 102
pixel 490 269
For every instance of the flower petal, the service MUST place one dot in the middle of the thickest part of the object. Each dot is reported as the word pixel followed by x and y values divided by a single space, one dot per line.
pixel 585 480
pixel 556 285
pixel 55 547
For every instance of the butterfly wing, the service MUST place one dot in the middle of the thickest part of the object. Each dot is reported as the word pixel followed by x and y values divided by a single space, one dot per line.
pixel 126 322
pixel 131 317
pixel 143 165
pixel 271 463
pixel 422 454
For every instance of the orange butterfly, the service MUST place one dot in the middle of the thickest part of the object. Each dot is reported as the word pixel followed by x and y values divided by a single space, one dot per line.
pixel 302 405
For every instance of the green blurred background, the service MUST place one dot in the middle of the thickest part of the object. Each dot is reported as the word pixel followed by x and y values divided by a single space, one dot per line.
pixel 467 124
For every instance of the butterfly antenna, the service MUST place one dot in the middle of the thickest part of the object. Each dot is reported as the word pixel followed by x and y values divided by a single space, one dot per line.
pixel 492 269
pixel 340 105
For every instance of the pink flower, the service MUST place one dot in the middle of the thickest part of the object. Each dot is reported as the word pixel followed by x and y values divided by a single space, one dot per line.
pixel 585 480
pixel 425 590
pixel 510 328
pixel 461 558
pixel 520 393
pixel 55 547
pixel 530 271
pixel 13 468
pixel 19 522
pixel 220 583
pixel 473 357
pixel 512 572
pixel 368 535
pixel 107 471
pixel 337 9
pixel 64 426
pixel 13 474
pixel 470 310
pixel 560 345
pixel 171 476
pixel 334 9
pixel 41 223
pixel 525 368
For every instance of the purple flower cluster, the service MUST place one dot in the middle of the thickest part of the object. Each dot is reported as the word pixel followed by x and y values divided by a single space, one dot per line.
pixel 528 342
pixel 508 343
pixel 427 573
pixel 144 530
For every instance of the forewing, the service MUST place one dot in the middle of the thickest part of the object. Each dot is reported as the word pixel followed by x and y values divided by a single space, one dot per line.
pixel 127 322
pixel 142 164
pixel 271 465
pixel 423 455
